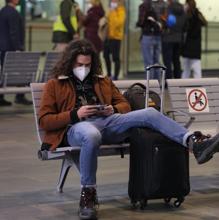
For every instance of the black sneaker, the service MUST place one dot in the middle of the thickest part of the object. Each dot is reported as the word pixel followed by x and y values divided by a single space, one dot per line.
pixel 3 102
pixel 23 101
pixel 204 147
pixel 88 203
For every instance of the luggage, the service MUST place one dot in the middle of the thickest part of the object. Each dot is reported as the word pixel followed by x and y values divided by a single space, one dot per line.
pixel 159 167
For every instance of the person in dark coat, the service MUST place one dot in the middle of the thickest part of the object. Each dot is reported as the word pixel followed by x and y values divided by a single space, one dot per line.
pixel 172 39
pixel 11 39
pixel 191 50
pixel 91 21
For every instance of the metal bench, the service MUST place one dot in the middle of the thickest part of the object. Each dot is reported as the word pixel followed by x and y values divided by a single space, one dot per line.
pixel 50 60
pixel 69 155
pixel 19 70
pixel 200 98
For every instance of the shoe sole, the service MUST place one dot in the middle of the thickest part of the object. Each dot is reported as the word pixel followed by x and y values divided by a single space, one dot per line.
pixel 209 152
pixel 90 217
pixel 87 218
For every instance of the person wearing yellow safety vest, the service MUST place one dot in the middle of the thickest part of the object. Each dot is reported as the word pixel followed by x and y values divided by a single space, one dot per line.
pixel 116 22
pixel 66 26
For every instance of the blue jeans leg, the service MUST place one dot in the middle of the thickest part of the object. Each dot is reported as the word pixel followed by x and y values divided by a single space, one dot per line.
pixel 157 53
pixel 87 136
pixel 151 49
pixel 147 50
pixel 113 129
pixel 117 124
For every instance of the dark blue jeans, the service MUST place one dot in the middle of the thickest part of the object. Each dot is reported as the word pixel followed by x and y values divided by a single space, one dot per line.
pixel 151 50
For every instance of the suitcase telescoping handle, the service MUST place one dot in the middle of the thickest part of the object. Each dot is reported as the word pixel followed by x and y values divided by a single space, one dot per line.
pixel 163 73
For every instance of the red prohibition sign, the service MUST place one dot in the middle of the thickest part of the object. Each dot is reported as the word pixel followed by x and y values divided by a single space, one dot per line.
pixel 197 100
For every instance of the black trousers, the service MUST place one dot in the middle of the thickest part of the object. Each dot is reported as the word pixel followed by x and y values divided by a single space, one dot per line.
pixel 171 59
pixel 112 47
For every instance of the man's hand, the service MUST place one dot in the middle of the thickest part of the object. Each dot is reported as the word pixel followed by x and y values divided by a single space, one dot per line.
pixel 108 110
pixel 90 110
pixel 86 110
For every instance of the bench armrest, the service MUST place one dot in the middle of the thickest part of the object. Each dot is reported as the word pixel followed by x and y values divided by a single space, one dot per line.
pixel 61 152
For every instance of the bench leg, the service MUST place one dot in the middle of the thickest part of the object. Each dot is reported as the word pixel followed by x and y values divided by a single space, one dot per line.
pixel 71 159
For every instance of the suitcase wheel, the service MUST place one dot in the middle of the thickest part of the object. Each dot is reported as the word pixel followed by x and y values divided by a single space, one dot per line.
pixel 143 204
pixel 167 200
pixel 178 202
pixel 134 205
pixel 139 204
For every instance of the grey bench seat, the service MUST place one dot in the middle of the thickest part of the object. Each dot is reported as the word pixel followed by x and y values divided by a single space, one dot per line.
pixel 19 70
pixel 207 121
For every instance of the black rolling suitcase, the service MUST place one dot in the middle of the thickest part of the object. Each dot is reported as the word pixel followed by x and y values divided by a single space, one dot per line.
pixel 159 167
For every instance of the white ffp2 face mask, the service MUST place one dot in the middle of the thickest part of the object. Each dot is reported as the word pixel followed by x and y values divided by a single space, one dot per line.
pixel 113 5
pixel 81 72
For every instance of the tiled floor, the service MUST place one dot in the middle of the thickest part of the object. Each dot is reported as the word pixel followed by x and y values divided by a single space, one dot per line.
pixel 27 185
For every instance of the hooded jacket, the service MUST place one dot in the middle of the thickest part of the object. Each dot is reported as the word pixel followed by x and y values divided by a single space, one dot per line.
pixel 58 101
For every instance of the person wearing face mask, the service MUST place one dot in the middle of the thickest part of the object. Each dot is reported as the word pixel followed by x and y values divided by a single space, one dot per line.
pixel 116 23
pixel 191 49
pixel 69 115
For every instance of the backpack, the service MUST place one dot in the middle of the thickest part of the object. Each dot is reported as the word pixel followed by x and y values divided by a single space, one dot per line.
pixel 135 95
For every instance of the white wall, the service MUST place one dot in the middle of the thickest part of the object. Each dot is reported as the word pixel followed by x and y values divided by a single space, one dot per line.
pixel 210 9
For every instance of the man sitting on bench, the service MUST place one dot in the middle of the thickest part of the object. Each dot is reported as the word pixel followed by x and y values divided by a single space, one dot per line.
pixel 81 107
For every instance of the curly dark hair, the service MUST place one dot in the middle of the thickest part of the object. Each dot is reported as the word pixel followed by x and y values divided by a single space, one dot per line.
pixel 75 48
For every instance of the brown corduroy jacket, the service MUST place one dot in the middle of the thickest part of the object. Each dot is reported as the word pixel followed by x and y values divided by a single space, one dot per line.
pixel 59 98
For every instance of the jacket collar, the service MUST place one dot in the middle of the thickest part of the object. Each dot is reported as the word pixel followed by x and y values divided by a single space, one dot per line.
pixel 64 77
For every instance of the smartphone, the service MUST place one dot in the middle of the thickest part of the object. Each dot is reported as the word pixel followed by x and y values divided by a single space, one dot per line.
pixel 99 107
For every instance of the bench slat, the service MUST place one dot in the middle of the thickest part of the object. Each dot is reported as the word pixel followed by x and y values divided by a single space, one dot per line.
pixel 192 82
pixel 184 105
pixel 182 96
